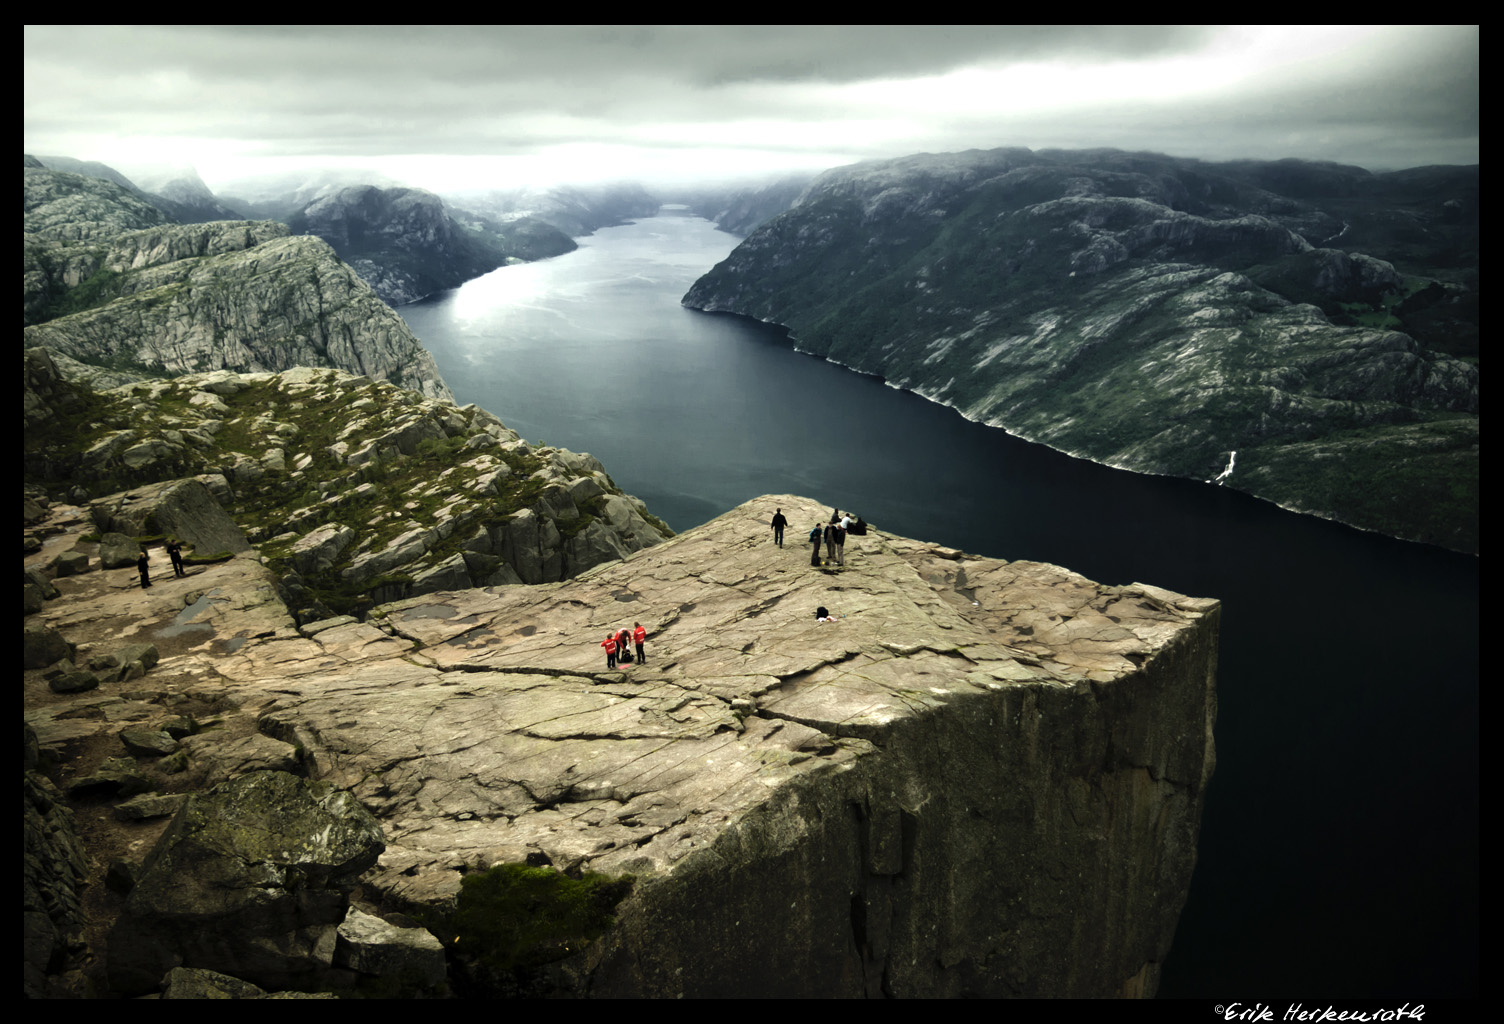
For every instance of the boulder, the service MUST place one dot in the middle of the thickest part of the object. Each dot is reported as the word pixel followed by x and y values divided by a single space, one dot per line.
pixel 117 776
pixel 147 742
pixel 149 805
pixel 146 654
pixel 184 508
pixel 76 681
pixel 197 983
pixel 37 578
pixel 71 563
pixel 118 551
pixel 231 757
pixel 251 879
pixel 42 646
pixel 320 549
pixel 403 955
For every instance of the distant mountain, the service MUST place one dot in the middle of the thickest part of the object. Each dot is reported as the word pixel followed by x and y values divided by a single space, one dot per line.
pixel 1157 314
pixel 575 210
pixel 741 209
pixel 184 195
pixel 279 196
pixel 405 244
pixel 180 194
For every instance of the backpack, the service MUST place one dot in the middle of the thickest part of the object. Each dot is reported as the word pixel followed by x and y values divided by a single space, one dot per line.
pixel 814 535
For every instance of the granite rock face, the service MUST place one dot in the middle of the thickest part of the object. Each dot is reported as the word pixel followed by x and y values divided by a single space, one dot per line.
pixel 981 778
pixel 283 303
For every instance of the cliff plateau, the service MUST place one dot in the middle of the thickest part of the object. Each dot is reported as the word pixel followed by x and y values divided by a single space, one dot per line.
pixel 981 778
pixel 1156 314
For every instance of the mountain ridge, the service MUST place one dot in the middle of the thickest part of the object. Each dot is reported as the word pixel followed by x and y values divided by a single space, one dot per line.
pixel 1126 308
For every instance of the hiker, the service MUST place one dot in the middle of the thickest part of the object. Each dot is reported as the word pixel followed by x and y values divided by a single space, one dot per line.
pixel 610 645
pixel 839 529
pixel 822 615
pixel 639 635
pixel 623 647
pixel 814 538
pixel 175 552
pixel 830 542
pixel 141 568
pixel 779 522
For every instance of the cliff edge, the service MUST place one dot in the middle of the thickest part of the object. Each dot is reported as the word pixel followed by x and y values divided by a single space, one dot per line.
pixel 981 778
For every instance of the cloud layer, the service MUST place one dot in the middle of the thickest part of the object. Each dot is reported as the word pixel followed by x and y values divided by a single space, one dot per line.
pixel 543 102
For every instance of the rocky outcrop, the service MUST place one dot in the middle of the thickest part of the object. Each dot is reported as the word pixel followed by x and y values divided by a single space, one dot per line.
pixel 404 243
pixel 274 305
pixel 60 206
pixel 251 879
pixel 180 508
pixel 979 778
pixel 357 491
pixel 1149 313
pixel 54 872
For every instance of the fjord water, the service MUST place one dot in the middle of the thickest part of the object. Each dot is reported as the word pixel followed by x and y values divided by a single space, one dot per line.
pixel 1339 848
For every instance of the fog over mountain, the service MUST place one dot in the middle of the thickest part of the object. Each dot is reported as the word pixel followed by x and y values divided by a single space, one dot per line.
pixel 498 107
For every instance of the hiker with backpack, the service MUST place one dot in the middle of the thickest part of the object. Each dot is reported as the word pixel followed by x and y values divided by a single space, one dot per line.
pixel 814 538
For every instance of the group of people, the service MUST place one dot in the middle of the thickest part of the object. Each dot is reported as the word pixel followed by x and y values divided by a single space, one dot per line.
pixel 174 552
pixel 619 645
pixel 831 534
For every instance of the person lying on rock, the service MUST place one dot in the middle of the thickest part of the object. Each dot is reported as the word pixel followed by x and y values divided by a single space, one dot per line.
pixel 822 615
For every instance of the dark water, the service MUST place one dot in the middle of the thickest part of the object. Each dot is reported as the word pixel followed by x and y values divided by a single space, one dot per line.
pixel 1339 851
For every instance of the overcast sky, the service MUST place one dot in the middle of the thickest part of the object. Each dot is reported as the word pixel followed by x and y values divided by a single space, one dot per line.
pixel 447 108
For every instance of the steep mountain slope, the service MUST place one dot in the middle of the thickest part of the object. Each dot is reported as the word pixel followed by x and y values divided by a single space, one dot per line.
pixel 405 244
pixel 740 210
pixel 1149 313
pixel 172 299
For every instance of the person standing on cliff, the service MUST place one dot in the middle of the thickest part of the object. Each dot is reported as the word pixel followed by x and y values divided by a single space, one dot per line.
pixel 175 552
pixel 610 645
pixel 141 568
pixel 814 538
pixel 779 522
pixel 639 637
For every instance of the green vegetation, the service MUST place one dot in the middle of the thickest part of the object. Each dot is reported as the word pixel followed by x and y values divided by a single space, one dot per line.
pixel 514 917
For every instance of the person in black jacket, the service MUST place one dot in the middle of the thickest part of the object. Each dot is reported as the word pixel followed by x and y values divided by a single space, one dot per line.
pixel 779 522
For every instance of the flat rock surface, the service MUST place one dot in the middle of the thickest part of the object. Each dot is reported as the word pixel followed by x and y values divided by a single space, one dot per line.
pixel 483 726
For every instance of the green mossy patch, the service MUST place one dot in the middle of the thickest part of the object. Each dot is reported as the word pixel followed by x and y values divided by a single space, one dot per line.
pixel 513 917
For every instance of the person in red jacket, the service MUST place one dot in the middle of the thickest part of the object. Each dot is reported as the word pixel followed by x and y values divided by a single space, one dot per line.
pixel 610 645
pixel 639 635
